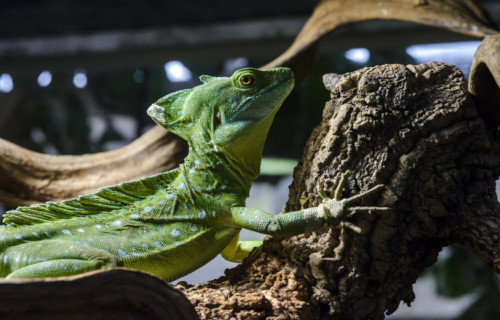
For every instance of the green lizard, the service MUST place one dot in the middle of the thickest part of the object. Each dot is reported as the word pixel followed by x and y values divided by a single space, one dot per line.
pixel 174 222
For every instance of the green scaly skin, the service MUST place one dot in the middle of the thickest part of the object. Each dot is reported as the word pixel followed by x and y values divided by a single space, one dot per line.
pixel 172 223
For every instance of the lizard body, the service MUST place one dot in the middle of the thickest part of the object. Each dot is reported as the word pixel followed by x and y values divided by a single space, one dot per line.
pixel 174 222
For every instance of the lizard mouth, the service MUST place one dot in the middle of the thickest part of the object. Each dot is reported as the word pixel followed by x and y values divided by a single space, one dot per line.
pixel 289 81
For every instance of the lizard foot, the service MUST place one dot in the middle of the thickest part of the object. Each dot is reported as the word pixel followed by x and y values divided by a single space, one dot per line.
pixel 338 209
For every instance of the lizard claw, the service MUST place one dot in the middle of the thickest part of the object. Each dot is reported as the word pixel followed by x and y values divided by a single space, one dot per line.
pixel 338 209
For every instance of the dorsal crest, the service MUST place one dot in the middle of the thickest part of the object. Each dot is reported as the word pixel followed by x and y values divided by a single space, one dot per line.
pixel 104 200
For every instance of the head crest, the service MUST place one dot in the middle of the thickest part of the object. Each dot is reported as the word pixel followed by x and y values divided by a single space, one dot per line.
pixel 169 111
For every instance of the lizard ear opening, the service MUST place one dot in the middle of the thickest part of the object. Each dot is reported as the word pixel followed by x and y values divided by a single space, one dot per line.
pixel 168 111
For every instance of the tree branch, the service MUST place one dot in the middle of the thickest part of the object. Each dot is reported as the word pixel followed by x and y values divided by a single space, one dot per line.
pixel 117 294
pixel 27 177
pixel 461 16
pixel 484 80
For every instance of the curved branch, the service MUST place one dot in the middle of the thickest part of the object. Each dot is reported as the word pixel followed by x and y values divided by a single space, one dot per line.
pixel 117 293
pixel 27 177
pixel 462 16
pixel 484 80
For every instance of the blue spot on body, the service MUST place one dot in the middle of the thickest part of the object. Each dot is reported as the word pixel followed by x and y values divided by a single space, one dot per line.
pixel 192 170
pixel 35 234
pixel 181 186
pixel 117 223
pixel 122 253
pixel 169 196
pixel 147 209
pixel 197 162
pixel 194 229
pixel 158 244
pixel 67 232
pixel 45 266
pixel 177 244
pixel 144 246
pixel 134 216
pixel 80 230
pixel 47 234
pixel 202 214
pixel 98 226
pixel 175 232
pixel 18 236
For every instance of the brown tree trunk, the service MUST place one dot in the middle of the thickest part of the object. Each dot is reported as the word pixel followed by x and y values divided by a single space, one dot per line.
pixel 413 128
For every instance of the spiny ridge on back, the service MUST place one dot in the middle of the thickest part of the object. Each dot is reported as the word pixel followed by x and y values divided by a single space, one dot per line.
pixel 104 200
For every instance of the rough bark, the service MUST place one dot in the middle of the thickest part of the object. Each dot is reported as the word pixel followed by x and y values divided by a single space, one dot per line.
pixel 413 128
pixel 27 177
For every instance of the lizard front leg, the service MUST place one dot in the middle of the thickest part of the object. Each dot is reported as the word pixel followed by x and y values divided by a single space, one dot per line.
pixel 331 212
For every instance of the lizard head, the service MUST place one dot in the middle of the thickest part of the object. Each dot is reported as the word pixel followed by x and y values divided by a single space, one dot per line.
pixel 231 115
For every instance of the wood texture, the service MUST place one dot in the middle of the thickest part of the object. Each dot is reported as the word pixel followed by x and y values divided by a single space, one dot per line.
pixel 414 129
pixel 484 80
pixel 112 294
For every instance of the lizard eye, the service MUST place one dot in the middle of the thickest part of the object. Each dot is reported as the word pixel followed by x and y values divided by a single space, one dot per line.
pixel 247 80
